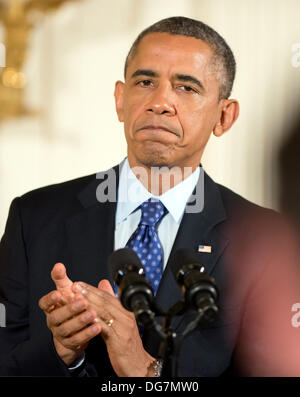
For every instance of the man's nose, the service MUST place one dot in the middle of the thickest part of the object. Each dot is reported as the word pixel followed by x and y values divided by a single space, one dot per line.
pixel 162 102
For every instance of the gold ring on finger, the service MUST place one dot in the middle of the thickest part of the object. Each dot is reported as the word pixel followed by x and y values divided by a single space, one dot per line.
pixel 110 322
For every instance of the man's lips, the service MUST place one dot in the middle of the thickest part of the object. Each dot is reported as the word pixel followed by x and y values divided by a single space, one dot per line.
pixel 157 128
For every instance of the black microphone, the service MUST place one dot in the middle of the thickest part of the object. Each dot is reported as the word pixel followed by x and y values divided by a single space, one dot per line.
pixel 135 291
pixel 200 290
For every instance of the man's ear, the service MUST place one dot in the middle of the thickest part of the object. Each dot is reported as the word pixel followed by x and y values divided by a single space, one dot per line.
pixel 229 113
pixel 119 99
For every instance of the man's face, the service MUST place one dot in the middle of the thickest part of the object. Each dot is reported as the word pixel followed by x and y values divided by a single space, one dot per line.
pixel 170 101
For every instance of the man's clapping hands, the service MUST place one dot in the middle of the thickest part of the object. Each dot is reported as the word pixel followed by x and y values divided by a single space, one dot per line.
pixel 77 312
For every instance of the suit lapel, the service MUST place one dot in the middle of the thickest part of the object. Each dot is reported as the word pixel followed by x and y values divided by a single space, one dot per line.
pixel 90 232
pixel 196 229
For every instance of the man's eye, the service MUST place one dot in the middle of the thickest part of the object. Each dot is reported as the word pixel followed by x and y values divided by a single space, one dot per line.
pixel 187 88
pixel 144 83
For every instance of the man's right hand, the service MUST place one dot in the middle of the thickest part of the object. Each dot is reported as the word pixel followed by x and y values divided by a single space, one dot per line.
pixel 71 324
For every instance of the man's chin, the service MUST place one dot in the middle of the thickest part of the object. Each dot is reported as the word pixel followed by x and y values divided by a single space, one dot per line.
pixel 155 160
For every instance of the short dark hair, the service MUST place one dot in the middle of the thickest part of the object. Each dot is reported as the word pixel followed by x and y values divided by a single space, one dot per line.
pixel 223 58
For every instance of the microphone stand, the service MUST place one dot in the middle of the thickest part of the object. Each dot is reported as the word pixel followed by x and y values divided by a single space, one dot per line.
pixel 171 342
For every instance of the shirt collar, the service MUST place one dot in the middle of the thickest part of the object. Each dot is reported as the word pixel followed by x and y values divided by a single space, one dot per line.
pixel 132 193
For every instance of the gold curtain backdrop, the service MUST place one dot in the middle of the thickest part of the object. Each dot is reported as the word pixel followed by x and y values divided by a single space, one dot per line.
pixel 75 52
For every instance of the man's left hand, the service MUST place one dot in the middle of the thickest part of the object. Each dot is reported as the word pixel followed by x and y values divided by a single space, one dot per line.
pixel 119 330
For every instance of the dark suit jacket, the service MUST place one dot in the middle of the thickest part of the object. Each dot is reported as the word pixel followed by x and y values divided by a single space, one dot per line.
pixel 65 223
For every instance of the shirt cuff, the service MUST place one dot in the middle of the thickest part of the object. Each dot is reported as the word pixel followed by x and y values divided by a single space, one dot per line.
pixel 77 363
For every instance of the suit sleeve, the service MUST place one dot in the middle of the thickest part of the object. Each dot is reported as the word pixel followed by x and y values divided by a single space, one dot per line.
pixel 20 354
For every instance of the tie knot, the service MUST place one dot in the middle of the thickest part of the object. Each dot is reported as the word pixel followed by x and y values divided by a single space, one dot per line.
pixel 152 211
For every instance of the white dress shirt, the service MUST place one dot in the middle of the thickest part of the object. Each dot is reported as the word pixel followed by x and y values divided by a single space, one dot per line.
pixel 132 193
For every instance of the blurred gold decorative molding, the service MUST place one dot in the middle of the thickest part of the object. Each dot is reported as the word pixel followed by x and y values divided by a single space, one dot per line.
pixel 18 18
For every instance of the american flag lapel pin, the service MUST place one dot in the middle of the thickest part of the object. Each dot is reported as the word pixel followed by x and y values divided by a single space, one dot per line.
pixel 204 248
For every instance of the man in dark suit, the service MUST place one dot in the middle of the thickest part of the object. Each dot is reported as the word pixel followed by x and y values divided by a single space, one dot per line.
pixel 178 78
